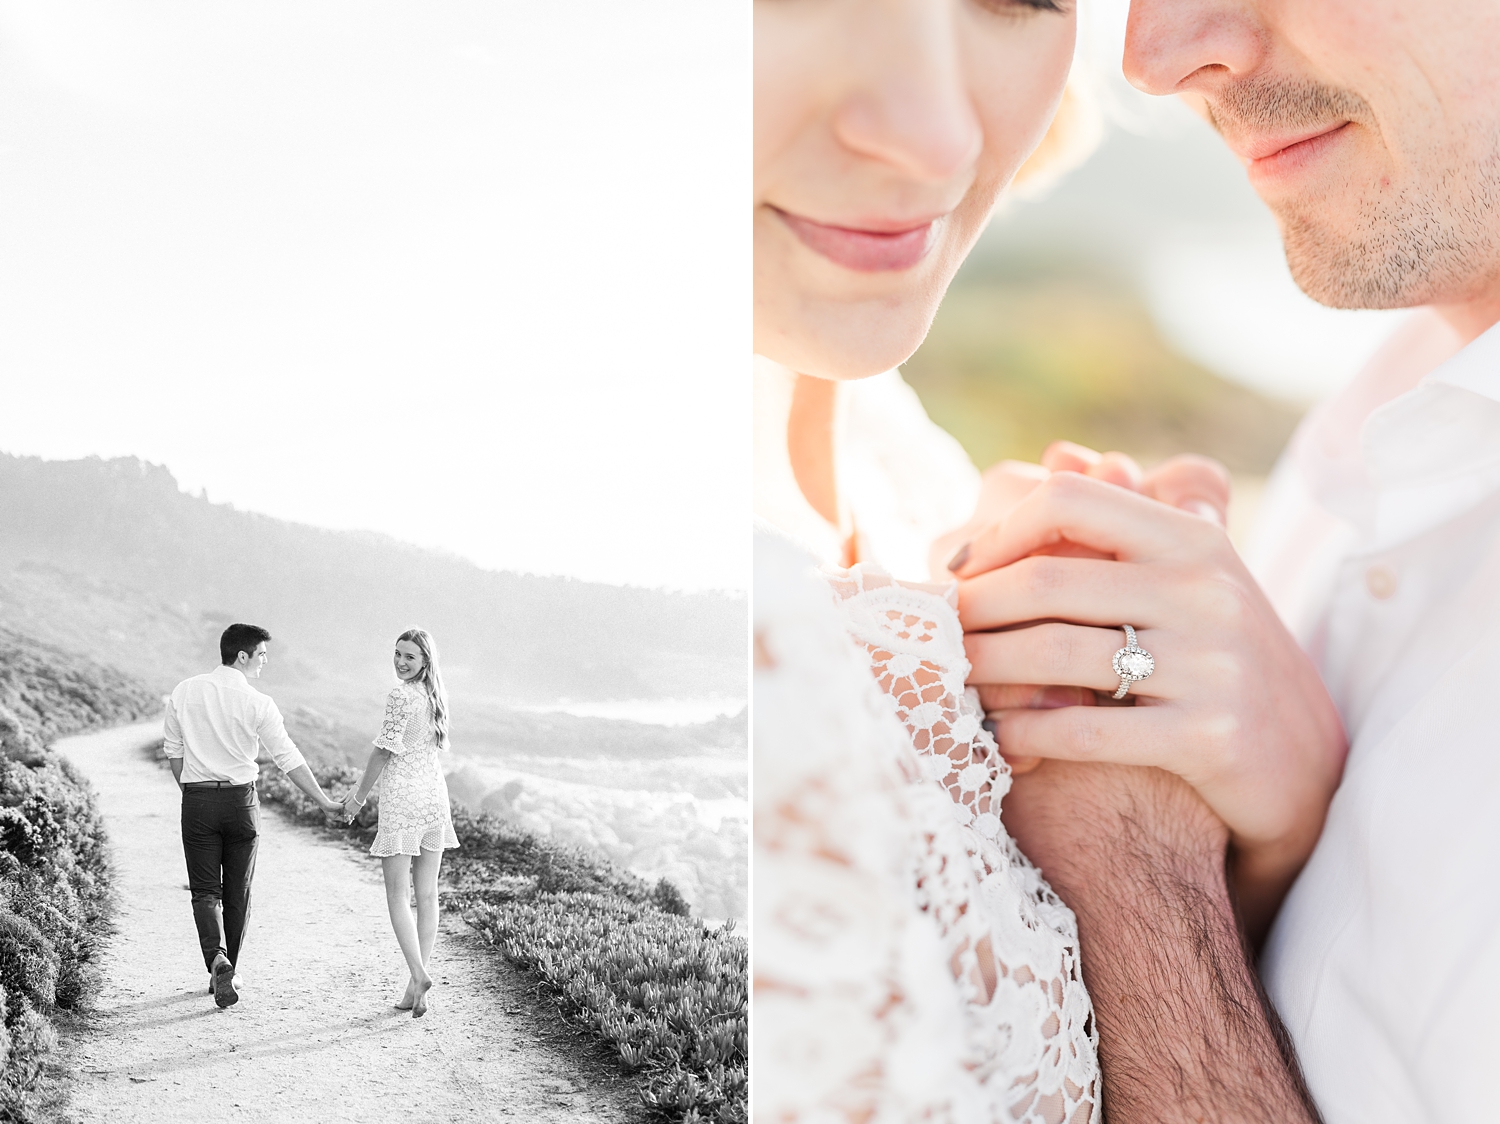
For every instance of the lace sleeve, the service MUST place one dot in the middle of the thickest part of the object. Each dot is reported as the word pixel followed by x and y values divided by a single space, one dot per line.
pixel 399 707
pixel 857 1015
pixel 1011 937
pixel 915 644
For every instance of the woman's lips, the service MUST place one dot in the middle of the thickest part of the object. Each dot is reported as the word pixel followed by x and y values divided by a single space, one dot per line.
pixel 864 250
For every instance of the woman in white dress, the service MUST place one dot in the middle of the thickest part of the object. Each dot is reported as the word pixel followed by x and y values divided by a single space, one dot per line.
pixel 415 820
pixel 910 963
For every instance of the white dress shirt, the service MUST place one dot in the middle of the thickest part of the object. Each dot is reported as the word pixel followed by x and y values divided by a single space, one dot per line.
pixel 1382 550
pixel 217 723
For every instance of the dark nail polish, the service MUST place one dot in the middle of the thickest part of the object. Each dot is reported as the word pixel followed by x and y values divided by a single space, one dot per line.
pixel 993 727
pixel 957 561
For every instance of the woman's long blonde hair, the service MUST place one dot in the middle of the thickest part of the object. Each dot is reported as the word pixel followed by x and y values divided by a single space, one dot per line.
pixel 432 680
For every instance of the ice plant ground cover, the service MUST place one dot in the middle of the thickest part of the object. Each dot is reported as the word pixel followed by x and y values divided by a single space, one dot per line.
pixel 622 957
pixel 55 891
pixel 666 992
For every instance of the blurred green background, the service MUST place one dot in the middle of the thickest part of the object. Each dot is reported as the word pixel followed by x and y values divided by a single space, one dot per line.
pixel 1024 352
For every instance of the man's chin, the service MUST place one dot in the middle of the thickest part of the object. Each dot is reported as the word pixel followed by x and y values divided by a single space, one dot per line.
pixel 1348 286
pixel 1376 270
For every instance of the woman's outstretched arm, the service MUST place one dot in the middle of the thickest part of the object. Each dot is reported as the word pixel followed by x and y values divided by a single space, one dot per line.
pixel 355 799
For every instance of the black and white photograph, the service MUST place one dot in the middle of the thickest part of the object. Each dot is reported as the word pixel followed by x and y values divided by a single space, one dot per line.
pixel 375 464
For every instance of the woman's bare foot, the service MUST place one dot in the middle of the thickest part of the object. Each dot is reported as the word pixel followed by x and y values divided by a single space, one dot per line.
pixel 406 1001
pixel 419 1005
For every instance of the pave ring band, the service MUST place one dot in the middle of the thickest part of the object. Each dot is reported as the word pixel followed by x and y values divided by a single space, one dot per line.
pixel 1132 663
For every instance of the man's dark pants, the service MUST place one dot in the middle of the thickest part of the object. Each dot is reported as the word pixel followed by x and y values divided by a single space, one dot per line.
pixel 220 833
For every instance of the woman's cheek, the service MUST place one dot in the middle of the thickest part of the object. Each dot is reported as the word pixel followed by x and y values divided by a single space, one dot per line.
pixel 1019 90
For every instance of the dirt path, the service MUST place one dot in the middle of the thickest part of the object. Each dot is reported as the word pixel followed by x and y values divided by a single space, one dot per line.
pixel 314 1036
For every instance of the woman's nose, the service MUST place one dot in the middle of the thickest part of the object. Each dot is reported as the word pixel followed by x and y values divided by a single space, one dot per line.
pixel 1182 46
pixel 911 107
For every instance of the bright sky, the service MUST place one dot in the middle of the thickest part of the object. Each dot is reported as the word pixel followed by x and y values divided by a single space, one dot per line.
pixel 470 273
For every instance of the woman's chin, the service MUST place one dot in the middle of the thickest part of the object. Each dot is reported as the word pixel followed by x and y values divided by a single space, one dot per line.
pixel 844 344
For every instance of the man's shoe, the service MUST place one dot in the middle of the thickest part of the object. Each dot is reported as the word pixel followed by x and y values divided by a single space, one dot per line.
pixel 224 993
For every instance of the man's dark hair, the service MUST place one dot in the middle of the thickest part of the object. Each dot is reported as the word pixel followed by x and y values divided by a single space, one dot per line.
pixel 239 638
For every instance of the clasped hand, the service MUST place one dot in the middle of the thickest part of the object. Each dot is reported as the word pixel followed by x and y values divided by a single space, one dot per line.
pixel 349 807
pixel 1057 561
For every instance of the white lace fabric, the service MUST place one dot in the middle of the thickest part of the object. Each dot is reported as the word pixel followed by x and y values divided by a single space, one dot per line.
pixel 414 811
pixel 910 963
pixel 1016 940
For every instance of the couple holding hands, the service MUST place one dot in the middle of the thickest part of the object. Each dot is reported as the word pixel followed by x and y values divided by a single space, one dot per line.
pixel 215 726
pixel 1097 822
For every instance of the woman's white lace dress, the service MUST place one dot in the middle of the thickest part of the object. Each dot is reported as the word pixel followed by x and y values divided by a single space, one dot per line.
pixel 909 962
pixel 414 811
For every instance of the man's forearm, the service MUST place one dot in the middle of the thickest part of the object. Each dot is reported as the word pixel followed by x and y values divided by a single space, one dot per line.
pixel 176 764
pixel 1185 1032
pixel 302 777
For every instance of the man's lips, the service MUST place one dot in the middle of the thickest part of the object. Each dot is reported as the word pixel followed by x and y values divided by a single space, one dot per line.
pixel 872 248
pixel 1265 156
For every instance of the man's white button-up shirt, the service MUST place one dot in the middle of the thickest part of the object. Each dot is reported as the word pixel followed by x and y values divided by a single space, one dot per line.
pixel 217 723
pixel 1381 548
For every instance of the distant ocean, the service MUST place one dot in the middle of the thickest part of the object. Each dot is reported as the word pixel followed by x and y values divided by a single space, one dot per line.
pixel 654 712
pixel 684 817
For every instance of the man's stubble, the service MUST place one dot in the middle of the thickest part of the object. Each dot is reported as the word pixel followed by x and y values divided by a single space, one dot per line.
pixel 1433 239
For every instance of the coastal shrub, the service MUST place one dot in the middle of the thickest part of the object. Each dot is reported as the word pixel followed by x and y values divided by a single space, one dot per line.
pixel 28 963
pixel 16 741
pixel 622 957
pixel 30 832
pixel 55 898
pixel 32 1039
pixel 668 898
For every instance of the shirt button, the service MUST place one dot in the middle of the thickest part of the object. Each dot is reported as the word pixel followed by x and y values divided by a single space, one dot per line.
pixel 1381 582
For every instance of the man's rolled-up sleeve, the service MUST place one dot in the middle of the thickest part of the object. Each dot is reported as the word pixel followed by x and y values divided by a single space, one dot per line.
pixel 171 729
pixel 277 742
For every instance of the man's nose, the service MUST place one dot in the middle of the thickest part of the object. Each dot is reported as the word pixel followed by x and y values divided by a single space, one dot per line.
pixel 1187 46
pixel 911 107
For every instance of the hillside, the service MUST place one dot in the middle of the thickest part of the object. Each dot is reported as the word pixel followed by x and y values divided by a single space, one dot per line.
pixel 112 558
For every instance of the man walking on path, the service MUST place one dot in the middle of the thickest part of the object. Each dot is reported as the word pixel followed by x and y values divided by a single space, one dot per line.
pixel 215 726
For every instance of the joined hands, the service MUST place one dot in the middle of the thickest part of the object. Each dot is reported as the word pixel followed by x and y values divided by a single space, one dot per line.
pixel 1056 559
pixel 349 807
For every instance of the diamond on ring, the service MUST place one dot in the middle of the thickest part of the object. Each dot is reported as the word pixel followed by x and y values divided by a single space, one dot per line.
pixel 1132 663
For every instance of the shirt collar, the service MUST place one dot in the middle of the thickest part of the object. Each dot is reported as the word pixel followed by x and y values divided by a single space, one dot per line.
pixel 1424 457
pixel 224 671
pixel 1476 368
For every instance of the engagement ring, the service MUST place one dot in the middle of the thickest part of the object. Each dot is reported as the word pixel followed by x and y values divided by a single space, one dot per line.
pixel 1132 663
